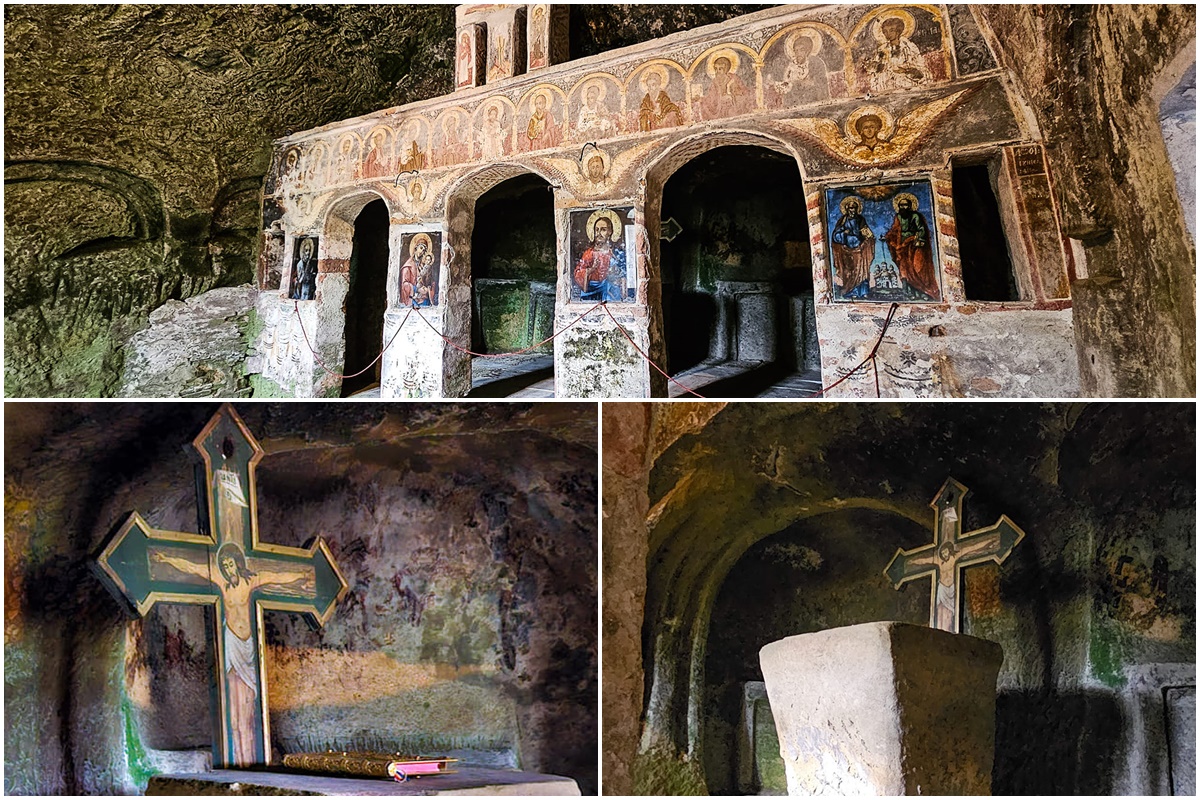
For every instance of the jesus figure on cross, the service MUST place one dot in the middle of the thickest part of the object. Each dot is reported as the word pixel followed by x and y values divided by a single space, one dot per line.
pixel 237 583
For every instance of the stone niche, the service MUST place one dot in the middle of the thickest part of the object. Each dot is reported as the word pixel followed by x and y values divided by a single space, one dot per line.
pixel 467 536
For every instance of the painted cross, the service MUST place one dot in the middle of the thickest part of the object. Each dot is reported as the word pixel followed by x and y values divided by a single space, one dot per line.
pixel 225 566
pixel 952 551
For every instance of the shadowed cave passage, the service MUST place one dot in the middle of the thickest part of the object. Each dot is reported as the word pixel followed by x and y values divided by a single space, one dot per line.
pixel 367 298
pixel 737 277
pixel 751 543
pixel 513 245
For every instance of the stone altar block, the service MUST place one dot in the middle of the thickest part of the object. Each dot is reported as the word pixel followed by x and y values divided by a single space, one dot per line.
pixel 884 708
pixel 464 781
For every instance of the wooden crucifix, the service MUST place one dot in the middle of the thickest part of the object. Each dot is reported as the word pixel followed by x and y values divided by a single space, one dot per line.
pixel 952 551
pixel 226 567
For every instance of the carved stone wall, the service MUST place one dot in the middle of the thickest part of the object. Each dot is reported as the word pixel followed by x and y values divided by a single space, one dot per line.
pixel 767 520
pixel 467 535
pixel 608 131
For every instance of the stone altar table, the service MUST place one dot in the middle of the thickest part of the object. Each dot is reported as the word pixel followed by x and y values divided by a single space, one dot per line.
pixel 464 781
pixel 884 708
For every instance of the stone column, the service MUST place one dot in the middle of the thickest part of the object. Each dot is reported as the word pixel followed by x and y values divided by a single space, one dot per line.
pixel 626 502
pixel 597 356
pixel 884 708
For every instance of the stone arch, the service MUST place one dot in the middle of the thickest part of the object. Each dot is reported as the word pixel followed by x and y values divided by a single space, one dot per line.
pixel 461 198
pixel 324 319
pixel 658 171
pixel 687 571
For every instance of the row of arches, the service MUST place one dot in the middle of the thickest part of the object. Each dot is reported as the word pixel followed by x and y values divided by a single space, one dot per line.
pixel 735 263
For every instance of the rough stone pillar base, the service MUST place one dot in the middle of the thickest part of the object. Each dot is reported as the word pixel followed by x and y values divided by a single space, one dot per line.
pixel 884 708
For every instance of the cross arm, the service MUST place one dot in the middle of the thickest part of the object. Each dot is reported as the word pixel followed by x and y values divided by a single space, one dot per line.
pixel 993 543
pixel 127 566
pixel 322 587
pixel 907 565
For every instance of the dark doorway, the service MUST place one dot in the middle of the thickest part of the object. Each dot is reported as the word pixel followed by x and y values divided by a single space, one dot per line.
pixel 987 271
pixel 738 308
pixel 367 298
pixel 801 575
pixel 513 278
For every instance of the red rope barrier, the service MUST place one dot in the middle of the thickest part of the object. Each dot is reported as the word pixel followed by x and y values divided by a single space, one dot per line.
pixel 321 364
pixel 462 349
pixel 621 328
pixel 870 357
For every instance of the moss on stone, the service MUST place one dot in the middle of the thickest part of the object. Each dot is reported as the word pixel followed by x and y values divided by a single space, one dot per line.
pixel 135 754
pixel 660 772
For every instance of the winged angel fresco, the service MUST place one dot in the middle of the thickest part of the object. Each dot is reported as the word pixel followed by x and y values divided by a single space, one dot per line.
pixel 872 136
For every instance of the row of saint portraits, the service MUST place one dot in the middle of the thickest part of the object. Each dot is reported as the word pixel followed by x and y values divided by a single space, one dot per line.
pixel 894 48
pixel 881 240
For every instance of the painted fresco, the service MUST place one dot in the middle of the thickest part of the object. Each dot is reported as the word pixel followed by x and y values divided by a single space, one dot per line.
pixel 723 83
pixel 871 136
pixel 595 108
pixel 303 284
pixel 380 159
pixel 539 36
pixel 804 64
pixel 826 56
pixel 603 263
pixel 493 129
pixel 452 138
pixel 414 145
pixel 470 56
pixel 882 243
pixel 345 159
pixel 899 48
pixel 315 165
pixel 541 117
pixel 420 269
pixel 657 97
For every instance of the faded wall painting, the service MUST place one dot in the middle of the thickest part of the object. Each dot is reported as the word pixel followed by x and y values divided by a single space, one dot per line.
pixel 493 129
pixel 805 64
pixel 414 145
pixel 379 160
pixel 882 244
pixel 303 284
pixel 657 97
pixel 603 261
pixel 451 138
pixel 420 268
pixel 539 36
pixel 900 48
pixel 723 83
pixel 470 57
pixel 596 108
pixel 541 119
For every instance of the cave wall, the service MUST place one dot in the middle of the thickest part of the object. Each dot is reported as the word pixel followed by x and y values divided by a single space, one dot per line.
pixel 1095 609
pixel 1094 77
pixel 136 141
pixel 468 538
